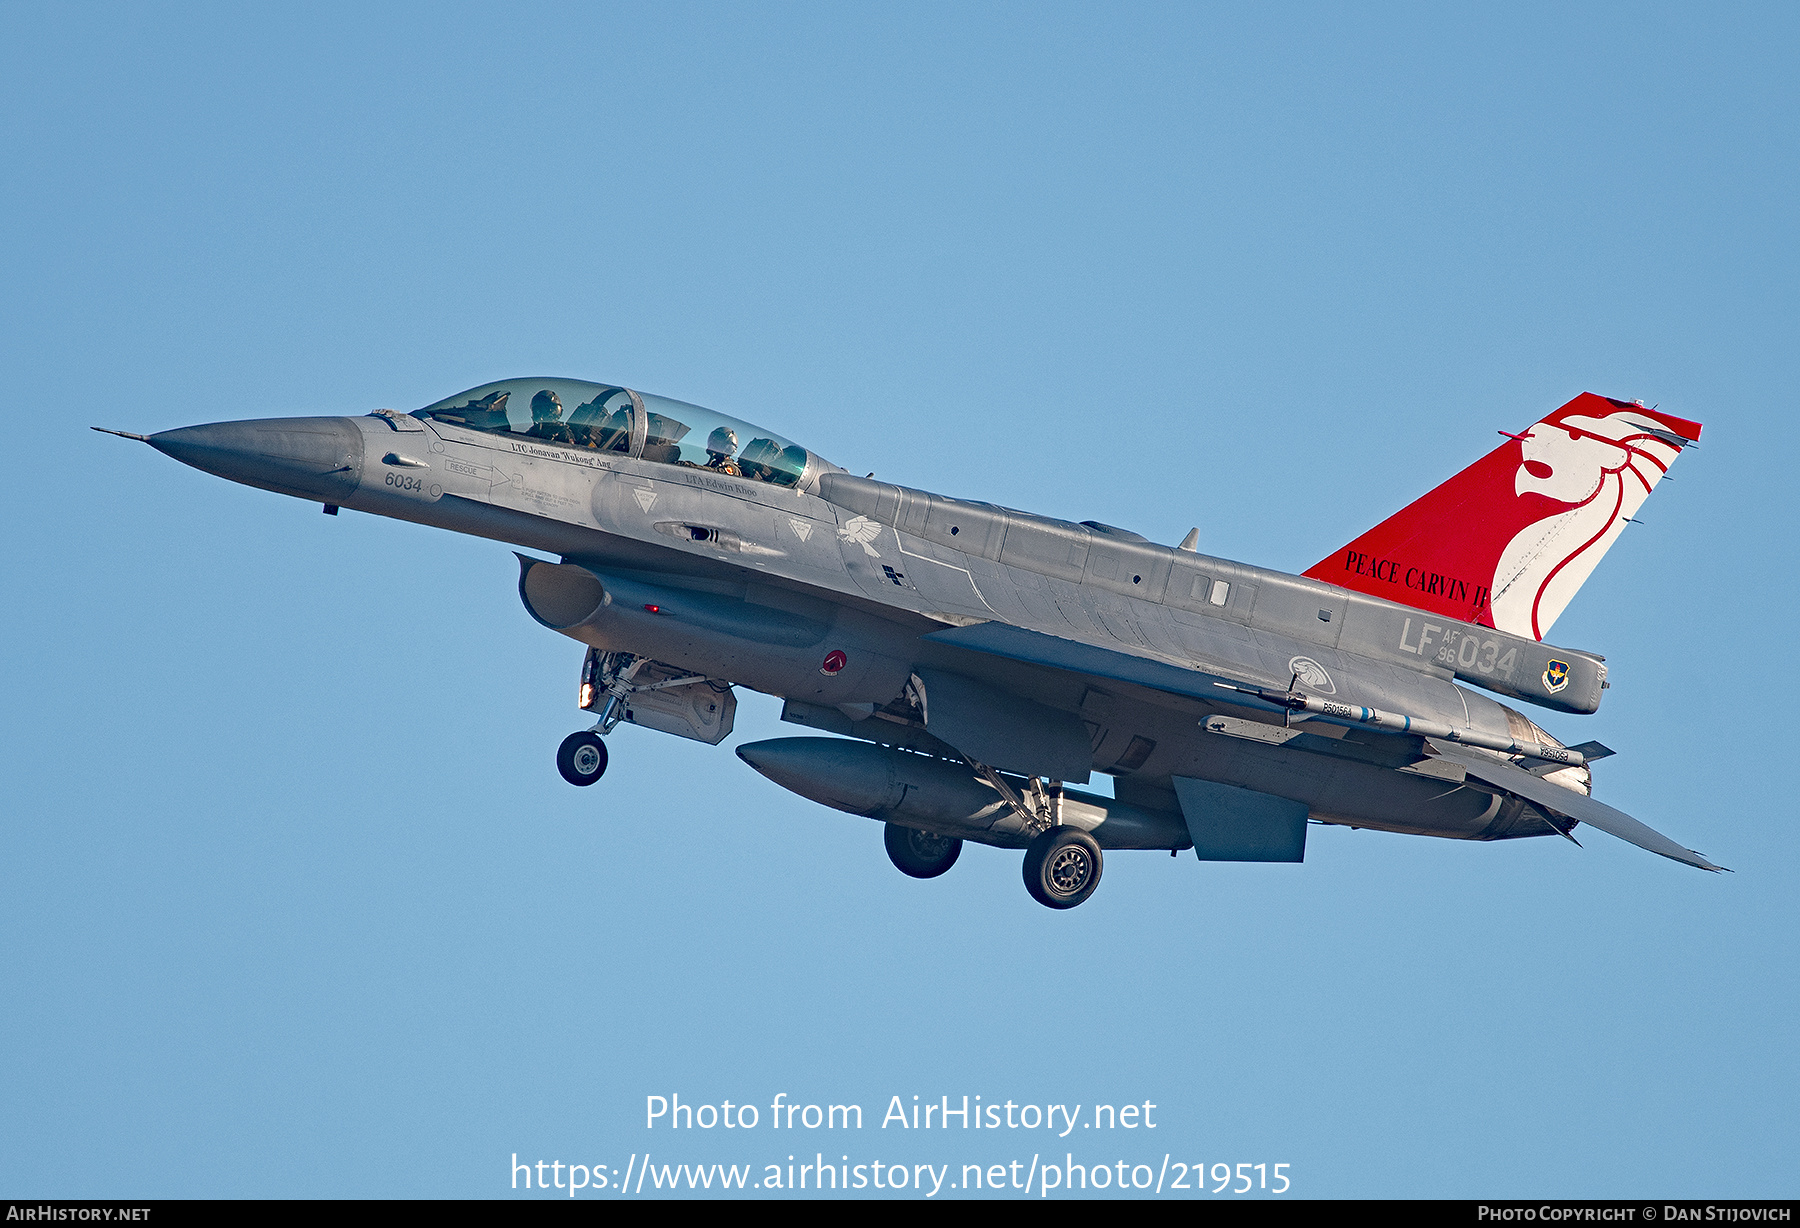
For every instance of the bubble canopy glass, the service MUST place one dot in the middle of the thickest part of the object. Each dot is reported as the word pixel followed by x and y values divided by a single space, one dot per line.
pixel 608 418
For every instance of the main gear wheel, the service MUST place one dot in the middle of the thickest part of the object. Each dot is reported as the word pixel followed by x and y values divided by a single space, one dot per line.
pixel 1062 867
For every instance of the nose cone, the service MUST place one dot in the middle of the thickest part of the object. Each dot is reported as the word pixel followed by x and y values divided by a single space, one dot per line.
pixel 313 458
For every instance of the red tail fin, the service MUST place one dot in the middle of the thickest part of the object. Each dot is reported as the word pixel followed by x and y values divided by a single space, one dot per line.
pixel 1508 541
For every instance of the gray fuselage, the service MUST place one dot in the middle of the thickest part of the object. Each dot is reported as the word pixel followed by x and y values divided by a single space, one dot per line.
pixel 832 592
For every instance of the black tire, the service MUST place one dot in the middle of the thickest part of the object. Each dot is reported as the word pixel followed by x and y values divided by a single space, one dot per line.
pixel 921 854
pixel 1062 867
pixel 581 758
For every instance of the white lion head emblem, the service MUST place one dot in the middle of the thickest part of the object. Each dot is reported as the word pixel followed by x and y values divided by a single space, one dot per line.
pixel 1310 674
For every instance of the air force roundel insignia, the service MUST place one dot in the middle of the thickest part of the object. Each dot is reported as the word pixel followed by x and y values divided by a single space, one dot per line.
pixel 1556 676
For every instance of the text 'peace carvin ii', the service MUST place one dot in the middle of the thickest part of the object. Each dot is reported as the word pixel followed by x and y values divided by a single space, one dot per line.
pixel 974 661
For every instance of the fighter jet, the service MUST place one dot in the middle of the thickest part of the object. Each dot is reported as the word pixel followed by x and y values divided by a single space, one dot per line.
pixel 970 663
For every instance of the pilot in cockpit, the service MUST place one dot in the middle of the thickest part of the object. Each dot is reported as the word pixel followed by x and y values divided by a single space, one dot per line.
pixel 764 460
pixel 590 426
pixel 546 417
pixel 720 445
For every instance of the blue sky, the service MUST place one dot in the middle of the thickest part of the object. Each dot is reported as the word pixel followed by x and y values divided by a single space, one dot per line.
pixel 292 901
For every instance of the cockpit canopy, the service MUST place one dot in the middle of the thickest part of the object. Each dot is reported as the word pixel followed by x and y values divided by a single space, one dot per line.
pixel 606 418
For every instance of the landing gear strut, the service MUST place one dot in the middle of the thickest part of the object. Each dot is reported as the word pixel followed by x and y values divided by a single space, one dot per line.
pixel 622 686
pixel 921 854
pixel 1062 864
pixel 605 685
pixel 605 682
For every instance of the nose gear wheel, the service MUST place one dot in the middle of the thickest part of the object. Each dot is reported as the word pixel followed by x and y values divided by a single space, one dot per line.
pixel 582 758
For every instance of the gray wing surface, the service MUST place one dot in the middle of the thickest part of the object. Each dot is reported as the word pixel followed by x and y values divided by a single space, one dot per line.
pixel 1034 647
pixel 1569 804
pixel 1020 644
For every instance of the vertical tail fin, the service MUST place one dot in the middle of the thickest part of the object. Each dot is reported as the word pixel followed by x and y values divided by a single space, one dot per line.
pixel 1508 541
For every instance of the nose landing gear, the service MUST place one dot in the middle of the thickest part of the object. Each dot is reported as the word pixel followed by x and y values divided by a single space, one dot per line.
pixel 581 758
pixel 621 686
pixel 605 682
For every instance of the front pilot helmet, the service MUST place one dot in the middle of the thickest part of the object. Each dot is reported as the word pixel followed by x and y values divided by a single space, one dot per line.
pixel 546 406
pixel 722 442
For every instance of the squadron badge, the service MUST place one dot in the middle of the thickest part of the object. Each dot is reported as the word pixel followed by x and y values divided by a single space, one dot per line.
pixel 1309 673
pixel 1556 676
pixel 862 531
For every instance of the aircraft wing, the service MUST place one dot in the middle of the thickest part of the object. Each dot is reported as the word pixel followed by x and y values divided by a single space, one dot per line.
pixel 1568 803
pixel 1018 644
pixel 1034 647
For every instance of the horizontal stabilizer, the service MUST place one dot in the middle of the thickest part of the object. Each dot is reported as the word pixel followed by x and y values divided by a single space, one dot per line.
pixel 1568 803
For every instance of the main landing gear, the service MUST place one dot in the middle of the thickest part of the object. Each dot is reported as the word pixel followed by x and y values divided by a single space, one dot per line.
pixel 920 854
pixel 1062 867
pixel 1062 862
